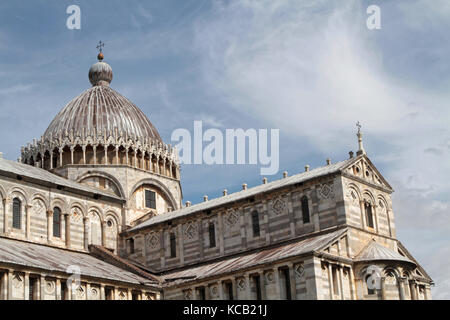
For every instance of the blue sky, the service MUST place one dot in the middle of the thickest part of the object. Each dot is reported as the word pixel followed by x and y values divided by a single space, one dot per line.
pixel 310 68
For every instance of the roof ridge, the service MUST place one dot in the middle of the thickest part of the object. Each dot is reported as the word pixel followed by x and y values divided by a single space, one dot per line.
pixel 242 194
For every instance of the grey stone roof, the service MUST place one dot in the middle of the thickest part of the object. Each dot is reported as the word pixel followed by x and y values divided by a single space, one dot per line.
pixel 377 252
pixel 233 264
pixel 53 259
pixel 101 108
pixel 302 177
pixel 43 177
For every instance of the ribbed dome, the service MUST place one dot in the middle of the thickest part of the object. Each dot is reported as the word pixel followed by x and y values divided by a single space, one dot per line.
pixel 102 108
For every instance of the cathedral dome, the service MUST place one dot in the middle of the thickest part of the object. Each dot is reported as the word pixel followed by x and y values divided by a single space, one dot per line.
pixel 102 109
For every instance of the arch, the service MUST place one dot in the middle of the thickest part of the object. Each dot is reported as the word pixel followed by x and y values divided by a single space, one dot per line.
pixel 80 206
pixel 21 193
pixel 97 210
pixel 58 202
pixel 115 216
pixel 105 175
pixel 40 196
pixel 95 229
pixel 2 192
pixel 368 196
pixel 160 186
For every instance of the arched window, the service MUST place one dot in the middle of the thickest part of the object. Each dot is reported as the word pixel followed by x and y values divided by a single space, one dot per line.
pixel 369 214
pixel 255 223
pixel 57 222
pixel 212 235
pixel 17 213
pixel 173 245
pixel 305 209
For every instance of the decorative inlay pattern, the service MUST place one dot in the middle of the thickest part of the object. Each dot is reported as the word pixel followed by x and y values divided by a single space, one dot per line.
pixel 50 286
pixel 326 191
pixel 241 284
pixel 191 230
pixel 152 240
pixel 188 294
pixel 231 218
pixel 270 276
pixel 299 270
pixel 38 207
pixel 279 206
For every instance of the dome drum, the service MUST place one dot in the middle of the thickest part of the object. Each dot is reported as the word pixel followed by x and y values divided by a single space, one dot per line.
pixel 104 148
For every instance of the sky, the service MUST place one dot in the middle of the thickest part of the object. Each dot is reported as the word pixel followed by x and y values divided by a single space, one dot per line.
pixel 311 69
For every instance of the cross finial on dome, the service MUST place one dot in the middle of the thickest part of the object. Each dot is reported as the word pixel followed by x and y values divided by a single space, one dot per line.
pixel 100 49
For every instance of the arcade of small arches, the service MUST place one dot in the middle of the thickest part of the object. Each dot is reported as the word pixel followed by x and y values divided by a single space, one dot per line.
pixel 74 226
pixel 394 282
pixel 370 210
pixel 153 156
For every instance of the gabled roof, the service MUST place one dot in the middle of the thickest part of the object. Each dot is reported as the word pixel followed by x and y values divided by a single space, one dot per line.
pixel 40 176
pixel 377 252
pixel 250 260
pixel 32 255
pixel 271 186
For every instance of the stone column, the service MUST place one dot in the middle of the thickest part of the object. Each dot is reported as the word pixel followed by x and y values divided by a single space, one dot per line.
pixel 383 288
pixel 71 154
pixel 135 159
pixel 67 223
pixel 106 154
pixel 86 233
pixel 142 160
pixel 248 286
pixel 220 233
pixel 94 149
pixel 69 290
pixel 220 288
pixel 262 285
pixel 234 287
pixel 401 288
pixel 277 283
pixel 10 287
pixel 375 216
pixel 207 292
pixel 72 291
pixel 102 292
pixel 130 297
pixel 352 284
pixel 88 290
pixel 330 281
pixel 126 155
pixel 117 155
pixel 84 154
pixel 51 160
pixel 42 287
pixel 58 289
pixel 363 214
pixel 103 233
pixel 292 280
pixel 60 156
pixel 341 281
pixel 412 286
pixel 28 208
pixel 49 225
pixel 4 280
pixel 26 285
pixel 6 214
